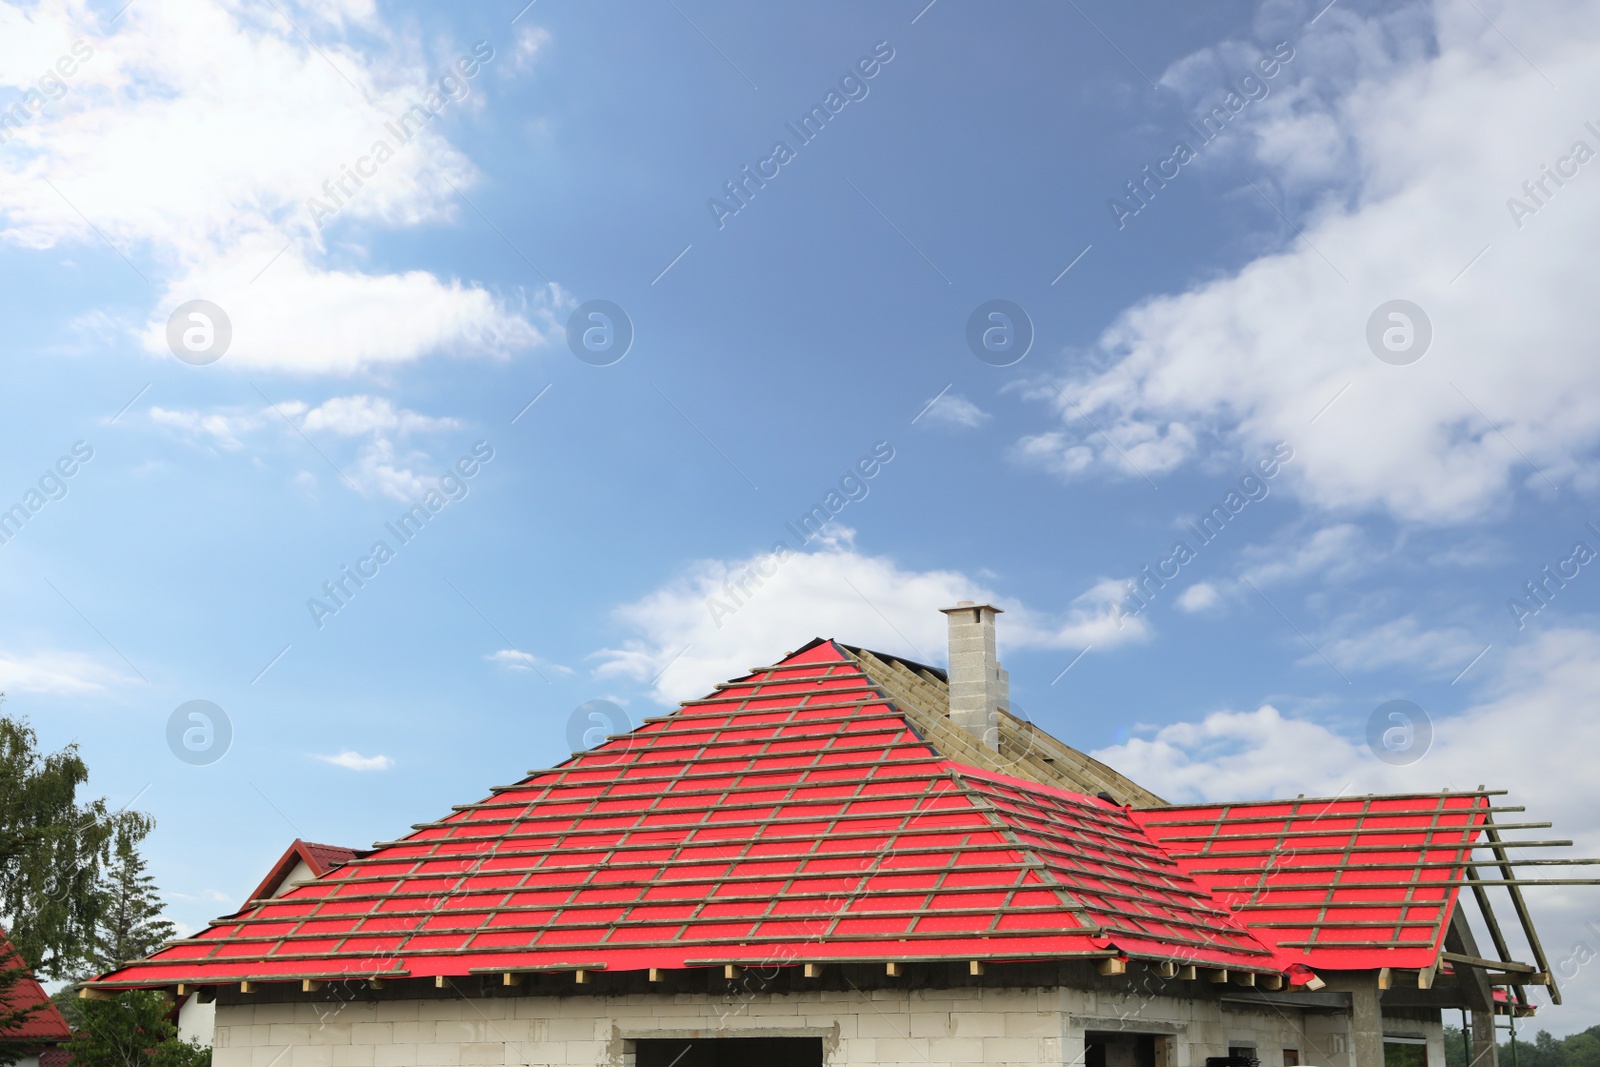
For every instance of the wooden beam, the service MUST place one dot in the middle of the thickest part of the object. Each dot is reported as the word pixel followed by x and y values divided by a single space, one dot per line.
pixel 813 970
pixel 581 977
pixel 1385 977
pixel 440 982
pixel 1489 965
pixel 510 978
pixel 1426 976
pixel 1314 983
pixel 895 970
pixel 1186 973
pixel 1246 978
pixel 1217 977
pixel 731 971
pixel 311 985
pixel 248 987
pixel 1112 965
pixel 1518 979
pixel 1272 981
pixel 975 967
pixel 655 974
pixel 376 983
pixel 1519 905
pixel 87 993
pixel 1167 969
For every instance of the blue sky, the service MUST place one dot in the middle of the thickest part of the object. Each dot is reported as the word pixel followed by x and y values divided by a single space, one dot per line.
pixel 373 346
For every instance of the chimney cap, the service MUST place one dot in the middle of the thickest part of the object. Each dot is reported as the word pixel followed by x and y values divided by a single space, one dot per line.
pixel 967 605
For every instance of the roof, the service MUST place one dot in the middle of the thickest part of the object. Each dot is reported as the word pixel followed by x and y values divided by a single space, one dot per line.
pixel 1339 883
pixel 799 813
pixel 45 1026
pixel 319 860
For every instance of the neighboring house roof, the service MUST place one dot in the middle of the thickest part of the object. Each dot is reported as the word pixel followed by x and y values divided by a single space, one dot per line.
pixel 1345 883
pixel 45 1026
pixel 798 814
pixel 302 859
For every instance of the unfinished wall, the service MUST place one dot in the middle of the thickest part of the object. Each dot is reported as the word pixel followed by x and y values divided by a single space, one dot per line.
pixel 918 1028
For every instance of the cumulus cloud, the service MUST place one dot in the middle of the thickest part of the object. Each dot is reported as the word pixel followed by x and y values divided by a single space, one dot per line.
pixel 1375 148
pixel 1198 597
pixel 722 617
pixel 514 659
pixel 163 145
pixel 355 761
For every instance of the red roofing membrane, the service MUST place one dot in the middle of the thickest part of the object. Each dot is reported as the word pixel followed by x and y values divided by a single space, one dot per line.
pixel 794 815
pixel 1342 884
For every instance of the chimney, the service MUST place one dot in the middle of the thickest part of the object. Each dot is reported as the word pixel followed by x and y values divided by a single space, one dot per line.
pixel 978 687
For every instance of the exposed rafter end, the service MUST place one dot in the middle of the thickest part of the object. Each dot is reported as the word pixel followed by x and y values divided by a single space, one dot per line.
pixel 87 993
pixel 731 971
pixel 1426 976
pixel 1167 969
pixel 581 977
pixel 1273 982
pixel 655 974
pixel 1244 978
pixel 1112 965
pixel 813 970
pixel 1187 972
pixel 1385 977
pixel 441 982
pixel 311 985
pixel 510 978
pixel 975 967
pixel 1315 983
pixel 894 970
pixel 249 987
pixel 1218 977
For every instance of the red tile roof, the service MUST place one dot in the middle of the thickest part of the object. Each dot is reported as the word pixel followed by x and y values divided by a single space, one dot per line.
pixel 793 815
pixel 319 859
pixel 43 1027
pixel 1341 884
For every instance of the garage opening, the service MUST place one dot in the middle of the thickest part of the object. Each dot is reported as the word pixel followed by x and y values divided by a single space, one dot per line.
pixel 1113 1048
pixel 731 1052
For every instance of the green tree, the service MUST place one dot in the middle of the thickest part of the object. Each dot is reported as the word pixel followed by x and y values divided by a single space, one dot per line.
pixel 130 925
pixel 132 1031
pixel 54 849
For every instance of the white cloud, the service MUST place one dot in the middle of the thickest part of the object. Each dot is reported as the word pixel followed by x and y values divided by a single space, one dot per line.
pixel 355 761
pixel 352 416
pixel 224 428
pixel 67 673
pixel 165 143
pixel 1402 642
pixel 1198 597
pixel 1402 191
pixel 954 411
pixel 514 659
pixel 724 616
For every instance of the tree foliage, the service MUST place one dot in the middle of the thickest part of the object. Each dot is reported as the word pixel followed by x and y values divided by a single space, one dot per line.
pixel 133 1031
pixel 1575 1050
pixel 55 850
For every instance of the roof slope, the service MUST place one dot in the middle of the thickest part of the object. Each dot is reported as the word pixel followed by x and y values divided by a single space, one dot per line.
pixel 1339 883
pixel 45 1026
pixel 796 814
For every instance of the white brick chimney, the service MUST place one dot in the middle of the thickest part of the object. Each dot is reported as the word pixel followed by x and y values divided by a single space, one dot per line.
pixel 979 688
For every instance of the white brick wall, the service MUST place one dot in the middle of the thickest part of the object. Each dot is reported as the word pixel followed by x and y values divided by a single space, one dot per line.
pixel 922 1028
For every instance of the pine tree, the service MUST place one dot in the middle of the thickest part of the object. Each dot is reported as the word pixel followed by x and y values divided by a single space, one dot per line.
pixel 130 926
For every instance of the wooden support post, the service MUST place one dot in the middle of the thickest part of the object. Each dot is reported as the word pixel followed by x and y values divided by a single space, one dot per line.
pixel 510 978
pixel 975 967
pixel 895 970
pixel 732 971
pixel 581 977
pixel 655 974
pixel 1112 965
pixel 1217 977
pixel 813 970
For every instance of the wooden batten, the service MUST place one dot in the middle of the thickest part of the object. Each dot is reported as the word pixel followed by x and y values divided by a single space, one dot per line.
pixel 1112 965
